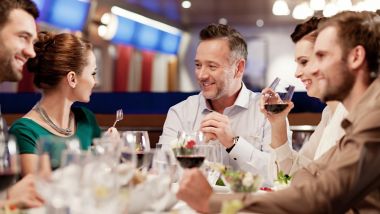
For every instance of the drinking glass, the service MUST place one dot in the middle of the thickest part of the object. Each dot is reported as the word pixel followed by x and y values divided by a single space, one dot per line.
pixel 191 157
pixel 140 141
pixel 184 137
pixel 51 147
pixel 281 92
pixel 128 159
pixel 9 163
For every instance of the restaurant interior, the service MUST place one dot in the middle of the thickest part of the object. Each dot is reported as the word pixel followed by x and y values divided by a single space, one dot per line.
pixel 145 55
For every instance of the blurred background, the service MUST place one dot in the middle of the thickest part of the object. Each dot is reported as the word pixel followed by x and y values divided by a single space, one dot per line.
pixel 145 49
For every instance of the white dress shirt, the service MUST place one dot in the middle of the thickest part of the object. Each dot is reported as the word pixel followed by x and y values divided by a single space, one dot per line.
pixel 251 152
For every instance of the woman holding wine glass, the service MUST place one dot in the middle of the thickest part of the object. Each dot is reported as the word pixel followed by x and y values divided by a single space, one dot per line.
pixel 328 131
pixel 64 68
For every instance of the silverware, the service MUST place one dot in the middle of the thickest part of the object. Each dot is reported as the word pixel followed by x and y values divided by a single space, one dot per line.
pixel 119 116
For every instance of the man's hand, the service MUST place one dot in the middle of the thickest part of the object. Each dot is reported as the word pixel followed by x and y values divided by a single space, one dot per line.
pixel 195 190
pixel 217 126
pixel 23 194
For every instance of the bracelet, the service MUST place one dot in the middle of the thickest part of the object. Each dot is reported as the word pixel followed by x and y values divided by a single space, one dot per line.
pixel 235 140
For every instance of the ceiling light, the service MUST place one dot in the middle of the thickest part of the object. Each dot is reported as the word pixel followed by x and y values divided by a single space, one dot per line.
pixel 330 10
pixel 344 5
pixel 106 18
pixel 186 4
pixel 102 30
pixel 280 8
pixel 302 11
pixel 108 27
pixel 145 20
pixel 317 4
pixel 259 23
pixel 223 21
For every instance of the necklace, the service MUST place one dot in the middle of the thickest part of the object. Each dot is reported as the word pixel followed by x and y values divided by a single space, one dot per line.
pixel 47 119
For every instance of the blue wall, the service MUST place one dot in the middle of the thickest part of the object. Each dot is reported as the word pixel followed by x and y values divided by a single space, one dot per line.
pixel 134 103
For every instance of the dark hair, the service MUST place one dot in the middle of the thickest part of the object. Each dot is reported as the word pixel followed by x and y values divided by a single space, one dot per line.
pixel 307 28
pixel 237 44
pixel 358 28
pixel 6 6
pixel 57 55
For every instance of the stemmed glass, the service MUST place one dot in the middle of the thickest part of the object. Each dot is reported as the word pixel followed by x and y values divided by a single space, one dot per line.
pixel 140 141
pixel 279 94
pixel 9 163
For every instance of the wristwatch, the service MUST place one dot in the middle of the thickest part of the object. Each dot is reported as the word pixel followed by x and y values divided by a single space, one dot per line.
pixel 234 140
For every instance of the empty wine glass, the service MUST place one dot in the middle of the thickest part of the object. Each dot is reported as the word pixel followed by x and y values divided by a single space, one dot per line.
pixel 140 140
pixel 9 163
pixel 278 96
pixel 53 147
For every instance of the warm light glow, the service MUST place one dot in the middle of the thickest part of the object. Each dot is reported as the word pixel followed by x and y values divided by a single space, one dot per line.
pixel 106 18
pixel 223 21
pixel 317 4
pixel 344 5
pixel 280 8
pixel 109 27
pixel 330 10
pixel 102 30
pixel 186 4
pixel 260 23
pixel 302 11
pixel 145 20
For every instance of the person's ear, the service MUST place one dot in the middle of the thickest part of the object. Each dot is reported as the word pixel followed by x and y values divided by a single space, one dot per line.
pixel 240 67
pixel 356 57
pixel 72 79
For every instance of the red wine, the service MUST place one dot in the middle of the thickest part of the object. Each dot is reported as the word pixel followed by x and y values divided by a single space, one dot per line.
pixel 6 180
pixel 190 161
pixel 276 108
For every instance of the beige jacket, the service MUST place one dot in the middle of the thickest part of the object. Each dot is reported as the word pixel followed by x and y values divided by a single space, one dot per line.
pixel 344 179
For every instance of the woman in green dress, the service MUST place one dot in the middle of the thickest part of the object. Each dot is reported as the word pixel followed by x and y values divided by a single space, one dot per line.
pixel 64 69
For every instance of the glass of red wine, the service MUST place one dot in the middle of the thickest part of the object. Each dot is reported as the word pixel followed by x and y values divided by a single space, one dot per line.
pixel 278 96
pixel 9 163
pixel 191 157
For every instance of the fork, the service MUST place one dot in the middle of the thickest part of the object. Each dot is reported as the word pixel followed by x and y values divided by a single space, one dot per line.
pixel 119 116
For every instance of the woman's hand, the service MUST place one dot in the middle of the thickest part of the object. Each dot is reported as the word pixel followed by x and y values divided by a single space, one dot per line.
pixel 270 96
pixel 113 133
pixel 278 120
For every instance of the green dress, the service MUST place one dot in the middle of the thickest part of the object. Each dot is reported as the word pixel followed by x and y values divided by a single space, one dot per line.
pixel 27 132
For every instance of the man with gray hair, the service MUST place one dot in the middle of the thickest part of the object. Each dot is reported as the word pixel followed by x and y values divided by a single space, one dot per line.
pixel 346 179
pixel 225 110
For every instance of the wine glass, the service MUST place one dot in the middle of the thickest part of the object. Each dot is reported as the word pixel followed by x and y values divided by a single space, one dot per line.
pixel 184 137
pixel 140 140
pixel 190 157
pixel 281 92
pixel 9 163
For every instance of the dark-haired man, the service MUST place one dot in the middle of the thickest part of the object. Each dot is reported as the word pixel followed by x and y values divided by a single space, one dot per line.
pixel 346 179
pixel 225 110
pixel 17 35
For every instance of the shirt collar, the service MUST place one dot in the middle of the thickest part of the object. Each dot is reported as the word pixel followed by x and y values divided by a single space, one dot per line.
pixel 368 99
pixel 242 100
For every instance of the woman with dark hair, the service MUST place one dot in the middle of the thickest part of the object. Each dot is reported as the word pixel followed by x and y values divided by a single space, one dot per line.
pixel 64 69
pixel 328 131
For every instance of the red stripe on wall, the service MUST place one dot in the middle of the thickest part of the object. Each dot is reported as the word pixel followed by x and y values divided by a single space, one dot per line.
pixel 122 68
pixel 147 71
